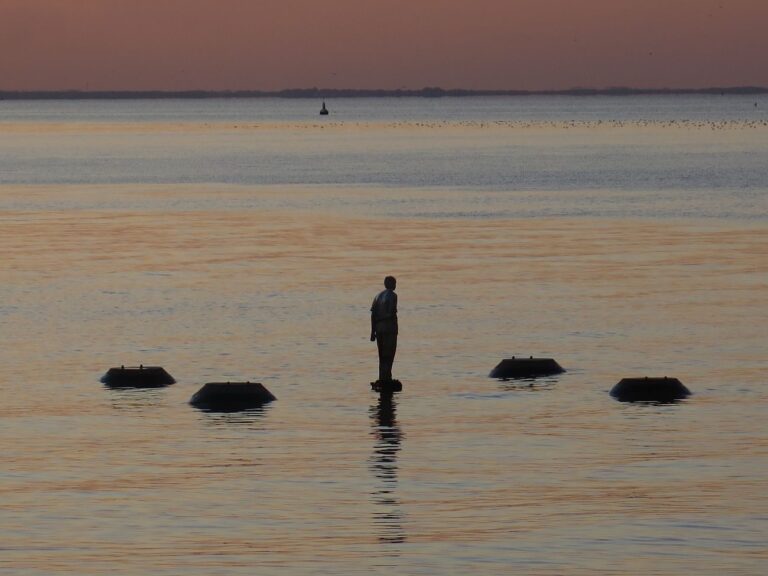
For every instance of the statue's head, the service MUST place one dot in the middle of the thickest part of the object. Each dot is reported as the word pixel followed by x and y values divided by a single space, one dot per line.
pixel 390 282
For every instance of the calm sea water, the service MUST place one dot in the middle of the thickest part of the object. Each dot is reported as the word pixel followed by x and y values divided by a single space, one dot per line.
pixel 245 239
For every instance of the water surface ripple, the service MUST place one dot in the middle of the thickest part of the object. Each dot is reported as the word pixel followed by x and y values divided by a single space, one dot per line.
pixel 619 250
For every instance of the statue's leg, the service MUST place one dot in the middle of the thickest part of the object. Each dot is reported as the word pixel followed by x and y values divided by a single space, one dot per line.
pixel 387 346
pixel 394 350
pixel 380 344
pixel 386 371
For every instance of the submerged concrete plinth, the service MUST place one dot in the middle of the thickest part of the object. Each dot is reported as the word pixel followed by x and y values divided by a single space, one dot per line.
pixel 391 386
pixel 137 377
pixel 526 368
pixel 650 390
pixel 231 396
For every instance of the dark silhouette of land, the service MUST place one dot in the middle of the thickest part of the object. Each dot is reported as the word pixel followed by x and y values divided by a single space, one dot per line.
pixel 320 93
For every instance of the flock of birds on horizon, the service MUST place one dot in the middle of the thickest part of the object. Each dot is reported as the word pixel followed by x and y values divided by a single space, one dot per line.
pixel 530 124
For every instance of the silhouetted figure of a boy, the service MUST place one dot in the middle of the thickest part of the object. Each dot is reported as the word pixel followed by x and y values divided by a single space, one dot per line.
pixel 384 327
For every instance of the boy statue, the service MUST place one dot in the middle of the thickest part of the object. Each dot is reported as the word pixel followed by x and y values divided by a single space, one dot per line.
pixel 384 327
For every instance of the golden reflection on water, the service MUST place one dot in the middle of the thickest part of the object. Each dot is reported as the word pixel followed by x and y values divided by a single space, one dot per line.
pixel 554 478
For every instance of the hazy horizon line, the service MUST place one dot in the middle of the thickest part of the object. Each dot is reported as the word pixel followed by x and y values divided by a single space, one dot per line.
pixel 427 92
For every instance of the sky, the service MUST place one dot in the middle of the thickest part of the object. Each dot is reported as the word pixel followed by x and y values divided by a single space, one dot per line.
pixel 388 44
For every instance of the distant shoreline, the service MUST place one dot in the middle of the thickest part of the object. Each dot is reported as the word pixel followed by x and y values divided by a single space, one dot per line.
pixel 320 93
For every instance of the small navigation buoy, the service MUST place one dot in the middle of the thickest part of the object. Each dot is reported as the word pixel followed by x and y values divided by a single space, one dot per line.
pixel 650 390
pixel 391 386
pixel 137 377
pixel 231 396
pixel 526 368
pixel 323 110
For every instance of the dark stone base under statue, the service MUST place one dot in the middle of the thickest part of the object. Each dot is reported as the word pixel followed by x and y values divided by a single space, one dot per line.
pixel 388 386
pixel 231 396
pixel 526 368
pixel 137 377
pixel 650 390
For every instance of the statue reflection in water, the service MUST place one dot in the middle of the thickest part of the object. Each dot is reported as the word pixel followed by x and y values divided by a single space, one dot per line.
pixel 388 517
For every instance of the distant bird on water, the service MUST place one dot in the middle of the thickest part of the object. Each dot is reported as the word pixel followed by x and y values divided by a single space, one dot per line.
pixel 323 110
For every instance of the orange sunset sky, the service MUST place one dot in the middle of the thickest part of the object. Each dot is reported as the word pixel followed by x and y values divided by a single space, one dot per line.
pixel 475 44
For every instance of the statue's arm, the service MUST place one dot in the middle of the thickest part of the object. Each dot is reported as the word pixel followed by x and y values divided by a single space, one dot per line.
pixel 373 324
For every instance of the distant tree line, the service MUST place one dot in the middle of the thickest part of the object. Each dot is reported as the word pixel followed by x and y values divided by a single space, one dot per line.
pixel 320 93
